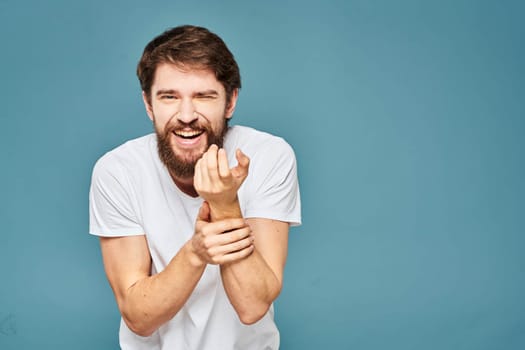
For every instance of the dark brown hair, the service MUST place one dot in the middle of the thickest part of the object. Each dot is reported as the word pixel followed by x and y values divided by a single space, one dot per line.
pixel 189 47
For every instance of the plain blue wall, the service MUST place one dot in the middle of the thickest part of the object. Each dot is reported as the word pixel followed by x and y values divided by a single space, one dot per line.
pixel 407 118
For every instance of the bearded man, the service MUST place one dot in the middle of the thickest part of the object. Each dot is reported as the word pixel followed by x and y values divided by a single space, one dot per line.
pixel 193 220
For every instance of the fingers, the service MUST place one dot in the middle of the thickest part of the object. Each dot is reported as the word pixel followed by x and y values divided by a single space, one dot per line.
pixel 213 166
pixel 243 163
pixel 238 255
pixel 224 168
pixel 216 162
pixel 224 247
pixel 206 167
pixel 215 182
pixel 230 257
pixel 218 246
pixel 223 226
pixel 210 163
pixel 228 238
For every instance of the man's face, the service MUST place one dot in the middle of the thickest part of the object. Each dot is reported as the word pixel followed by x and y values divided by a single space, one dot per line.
pixel 190 112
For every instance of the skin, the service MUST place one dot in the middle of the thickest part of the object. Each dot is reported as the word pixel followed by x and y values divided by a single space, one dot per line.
pixel 251 252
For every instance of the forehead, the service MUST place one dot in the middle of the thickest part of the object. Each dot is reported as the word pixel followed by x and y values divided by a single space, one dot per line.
pixel 184 79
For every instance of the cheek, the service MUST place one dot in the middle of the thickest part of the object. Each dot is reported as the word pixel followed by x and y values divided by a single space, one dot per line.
pixel 215 116
pixel 211 109
pixel 164 115
pixel 218 123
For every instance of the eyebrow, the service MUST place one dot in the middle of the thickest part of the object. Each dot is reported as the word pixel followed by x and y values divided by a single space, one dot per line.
pixel 165 92
pixel 197 94
pixel 206 93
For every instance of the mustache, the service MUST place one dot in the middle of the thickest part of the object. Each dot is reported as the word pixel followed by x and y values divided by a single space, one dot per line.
pixel 178 125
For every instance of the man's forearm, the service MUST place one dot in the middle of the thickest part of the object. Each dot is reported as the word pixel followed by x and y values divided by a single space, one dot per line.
pixel 250 283
pixel 154 300
pixel 251 286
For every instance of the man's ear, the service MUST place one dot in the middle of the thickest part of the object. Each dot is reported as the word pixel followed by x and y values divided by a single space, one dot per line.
pixel 147 105
pixel 231 105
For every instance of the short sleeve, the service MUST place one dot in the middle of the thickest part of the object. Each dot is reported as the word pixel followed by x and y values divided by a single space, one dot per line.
pixel 112 212
pixel 275 185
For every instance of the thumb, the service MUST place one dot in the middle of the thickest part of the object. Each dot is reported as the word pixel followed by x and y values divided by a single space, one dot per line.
pixel 204 212
pixel 243 163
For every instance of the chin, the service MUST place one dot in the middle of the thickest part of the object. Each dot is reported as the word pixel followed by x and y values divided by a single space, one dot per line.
pixel 189 156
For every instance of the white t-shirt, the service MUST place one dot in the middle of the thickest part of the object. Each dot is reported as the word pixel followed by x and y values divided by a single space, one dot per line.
pixel 132 193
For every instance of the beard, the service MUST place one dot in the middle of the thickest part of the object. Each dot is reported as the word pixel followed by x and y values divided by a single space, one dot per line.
pixel 184 167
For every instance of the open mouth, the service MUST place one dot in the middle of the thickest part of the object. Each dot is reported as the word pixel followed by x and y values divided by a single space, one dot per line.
pixel 188 134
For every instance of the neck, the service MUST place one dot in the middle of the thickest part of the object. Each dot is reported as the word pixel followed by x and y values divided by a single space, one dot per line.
pixel 185 185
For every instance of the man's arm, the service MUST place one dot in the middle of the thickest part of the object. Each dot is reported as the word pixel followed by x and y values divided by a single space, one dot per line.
pixel 145 301
pixel 148 301
pixel 252 283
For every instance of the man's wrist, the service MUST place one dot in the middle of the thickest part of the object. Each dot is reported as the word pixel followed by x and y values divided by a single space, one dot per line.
pixel 220 211
pixel 192 255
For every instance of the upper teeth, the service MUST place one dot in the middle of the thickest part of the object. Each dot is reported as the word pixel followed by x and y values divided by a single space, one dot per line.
pixel 187 133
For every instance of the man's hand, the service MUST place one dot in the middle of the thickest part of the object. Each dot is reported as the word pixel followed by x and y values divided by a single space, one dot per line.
pixel 222 241
pixel 216 183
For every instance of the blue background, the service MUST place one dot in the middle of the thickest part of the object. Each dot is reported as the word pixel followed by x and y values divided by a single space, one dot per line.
pixel 407 118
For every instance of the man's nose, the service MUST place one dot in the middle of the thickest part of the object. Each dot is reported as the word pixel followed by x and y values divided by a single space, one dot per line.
pixel 187 113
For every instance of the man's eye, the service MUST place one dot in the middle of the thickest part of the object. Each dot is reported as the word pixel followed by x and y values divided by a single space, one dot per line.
pixel 207 97
pixel 168 97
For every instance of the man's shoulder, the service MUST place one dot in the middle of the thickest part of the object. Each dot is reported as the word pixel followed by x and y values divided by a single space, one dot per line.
pixel 129 154
pixel 247 138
